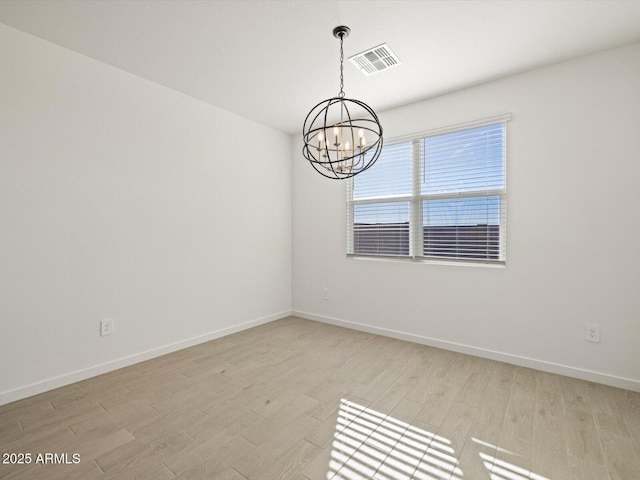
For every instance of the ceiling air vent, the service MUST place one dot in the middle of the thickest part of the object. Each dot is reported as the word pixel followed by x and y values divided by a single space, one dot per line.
pixel 375 60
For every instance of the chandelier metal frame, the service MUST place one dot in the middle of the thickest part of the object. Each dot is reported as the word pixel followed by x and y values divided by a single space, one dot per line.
pixel 353 142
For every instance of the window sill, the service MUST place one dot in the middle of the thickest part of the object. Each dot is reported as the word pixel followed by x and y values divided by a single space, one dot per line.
pixel 428 261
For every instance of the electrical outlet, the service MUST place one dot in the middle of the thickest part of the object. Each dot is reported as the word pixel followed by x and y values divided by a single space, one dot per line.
pixel 325 294
pixel 106 327
pixel 592 332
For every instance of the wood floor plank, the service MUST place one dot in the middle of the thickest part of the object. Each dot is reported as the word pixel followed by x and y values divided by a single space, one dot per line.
pixel 581 469
pixel 517 431
pixel 140 454
pixel 437 403
pixel 366 441
pixel 296 399
pixel 217 463
pixel 38 441
pixel 323 465
pixel 408 445
pixel 491 413
pixel 157 471
pixel 52 472
pixel 323 434
pixel 63 415
pixel 549 454
pixel 575 394
pixel 288 414
pixel 288 465
pixel 606 411
pixel 113 419
pixel 345 439
pixel 100 445
pixel 582 437
pixel 620 456
pixel 478 454
pixel 11 427
pixel 163 424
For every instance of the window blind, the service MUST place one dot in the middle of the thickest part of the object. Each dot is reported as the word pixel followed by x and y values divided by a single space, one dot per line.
pixel 380 210
pixel 434 196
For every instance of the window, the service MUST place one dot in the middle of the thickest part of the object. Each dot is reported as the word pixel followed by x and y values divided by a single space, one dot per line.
pixel 438 195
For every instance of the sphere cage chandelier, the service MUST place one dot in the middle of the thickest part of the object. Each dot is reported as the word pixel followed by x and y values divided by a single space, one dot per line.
pixel 342 136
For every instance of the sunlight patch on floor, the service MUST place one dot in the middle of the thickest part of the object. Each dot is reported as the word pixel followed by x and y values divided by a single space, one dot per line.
pixel 372 445
pixel 503 470
pixel 368 445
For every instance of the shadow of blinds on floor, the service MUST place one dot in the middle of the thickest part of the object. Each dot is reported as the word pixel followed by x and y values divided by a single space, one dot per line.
pixel 369 444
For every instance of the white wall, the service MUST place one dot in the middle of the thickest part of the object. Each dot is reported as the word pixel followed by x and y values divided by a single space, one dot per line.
pixel 121 198
pixel 573 231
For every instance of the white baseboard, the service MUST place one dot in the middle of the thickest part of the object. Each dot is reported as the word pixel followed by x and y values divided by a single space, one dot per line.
pixel 83 374
pixel 597 377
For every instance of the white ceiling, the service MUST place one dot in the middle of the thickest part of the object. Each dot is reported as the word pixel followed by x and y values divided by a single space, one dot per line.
pixel 271 61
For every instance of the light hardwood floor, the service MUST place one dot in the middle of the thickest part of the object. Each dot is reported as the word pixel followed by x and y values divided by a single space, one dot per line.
pixel 303 400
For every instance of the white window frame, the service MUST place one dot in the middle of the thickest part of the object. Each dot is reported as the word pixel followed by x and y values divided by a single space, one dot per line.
pixel 416 199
